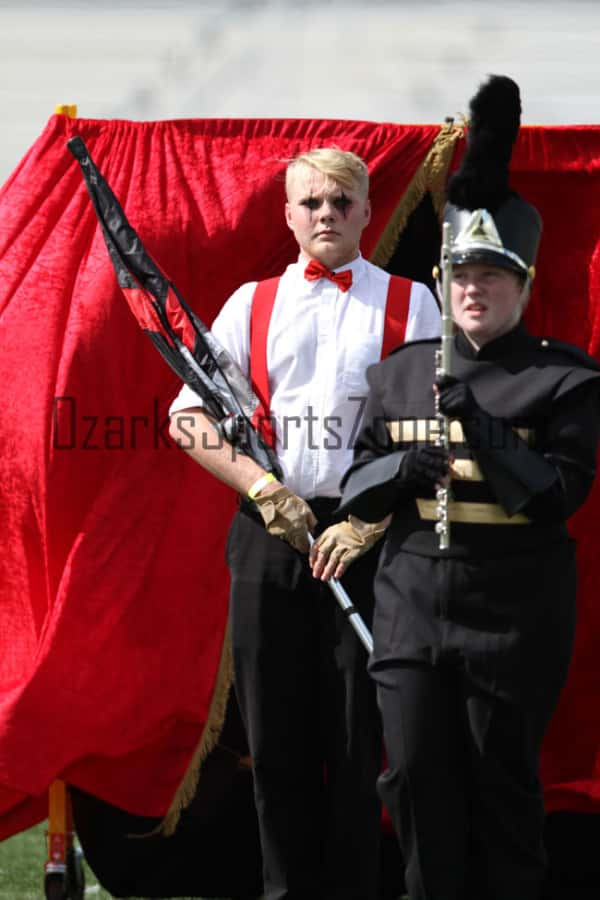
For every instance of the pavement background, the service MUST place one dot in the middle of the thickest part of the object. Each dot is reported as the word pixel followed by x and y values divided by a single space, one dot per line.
pixel 384 61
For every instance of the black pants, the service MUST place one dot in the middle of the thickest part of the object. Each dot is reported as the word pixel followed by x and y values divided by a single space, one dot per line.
pixel 311 718
pixel 572 841
pixel 465 717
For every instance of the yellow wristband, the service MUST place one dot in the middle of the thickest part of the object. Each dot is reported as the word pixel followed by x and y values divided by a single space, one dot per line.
pixel 255 489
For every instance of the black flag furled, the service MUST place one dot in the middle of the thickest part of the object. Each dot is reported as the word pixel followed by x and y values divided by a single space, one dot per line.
pixel 179 335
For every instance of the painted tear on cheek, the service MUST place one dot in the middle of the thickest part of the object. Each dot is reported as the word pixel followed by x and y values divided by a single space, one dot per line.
pixel 343 204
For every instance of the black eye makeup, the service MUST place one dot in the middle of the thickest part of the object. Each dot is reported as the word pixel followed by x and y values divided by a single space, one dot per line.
pixel 341 203
pixel 311 202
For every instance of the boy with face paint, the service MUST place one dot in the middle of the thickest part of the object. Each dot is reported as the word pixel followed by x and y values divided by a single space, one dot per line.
pixel 300 671
pixel 326 216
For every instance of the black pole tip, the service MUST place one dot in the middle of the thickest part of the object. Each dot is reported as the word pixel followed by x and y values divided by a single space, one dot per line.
pixel 77 147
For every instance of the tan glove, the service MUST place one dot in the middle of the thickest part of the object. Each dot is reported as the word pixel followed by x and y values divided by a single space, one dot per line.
pixel 287 516
pixel 341 544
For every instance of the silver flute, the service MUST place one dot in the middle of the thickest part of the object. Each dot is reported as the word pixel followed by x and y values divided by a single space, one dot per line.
pixel 442 367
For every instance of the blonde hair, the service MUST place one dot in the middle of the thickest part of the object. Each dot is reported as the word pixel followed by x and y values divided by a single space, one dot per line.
pixel 342 166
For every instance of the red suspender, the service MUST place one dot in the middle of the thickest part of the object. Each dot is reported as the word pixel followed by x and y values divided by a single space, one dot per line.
pixel 396 313
pixel 260 316
pixel 396 317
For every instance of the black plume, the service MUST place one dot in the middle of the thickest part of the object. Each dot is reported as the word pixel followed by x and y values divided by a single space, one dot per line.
pixel 495 116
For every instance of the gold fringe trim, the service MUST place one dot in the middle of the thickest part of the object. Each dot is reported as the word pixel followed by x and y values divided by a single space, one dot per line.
pixel 430 176
pixel 212 730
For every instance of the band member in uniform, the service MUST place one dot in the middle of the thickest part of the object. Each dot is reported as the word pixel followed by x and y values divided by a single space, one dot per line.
pixel 472 643
pixel 300 675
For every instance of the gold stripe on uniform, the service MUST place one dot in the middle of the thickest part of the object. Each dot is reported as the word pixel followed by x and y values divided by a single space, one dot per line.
pixel 526 434
pixel 465 470
pixel 471 513
pixel 408 431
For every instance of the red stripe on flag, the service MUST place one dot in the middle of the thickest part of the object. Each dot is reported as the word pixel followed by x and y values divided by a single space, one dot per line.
pixel 179 320
pixel 140 304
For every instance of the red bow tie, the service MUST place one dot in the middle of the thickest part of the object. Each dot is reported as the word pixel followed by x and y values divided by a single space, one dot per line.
pixel 316 270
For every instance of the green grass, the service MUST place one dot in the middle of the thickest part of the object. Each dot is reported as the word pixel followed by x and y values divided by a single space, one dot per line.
pixel 22 859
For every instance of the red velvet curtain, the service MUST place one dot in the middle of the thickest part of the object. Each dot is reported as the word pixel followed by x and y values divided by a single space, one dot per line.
pixel 558 169
pixel 114 588
pixel 113 585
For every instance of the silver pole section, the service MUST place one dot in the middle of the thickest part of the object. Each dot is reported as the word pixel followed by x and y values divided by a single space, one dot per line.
pixel 350 611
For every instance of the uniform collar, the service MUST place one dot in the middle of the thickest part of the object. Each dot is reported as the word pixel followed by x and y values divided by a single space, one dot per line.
pixel 501 346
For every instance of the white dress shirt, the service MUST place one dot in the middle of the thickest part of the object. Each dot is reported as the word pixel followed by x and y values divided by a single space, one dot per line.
pixel 320 343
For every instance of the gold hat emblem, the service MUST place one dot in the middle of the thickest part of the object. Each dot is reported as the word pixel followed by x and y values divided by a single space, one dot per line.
pixel 480 229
